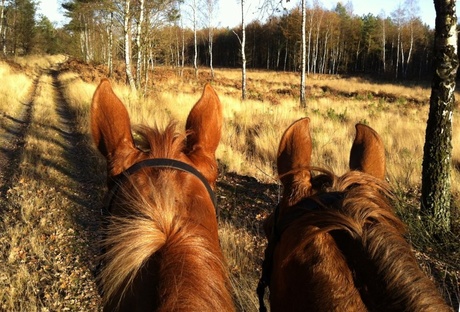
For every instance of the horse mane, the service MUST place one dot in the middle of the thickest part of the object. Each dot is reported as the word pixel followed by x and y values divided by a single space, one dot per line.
pixel 372 239
pixel 157 226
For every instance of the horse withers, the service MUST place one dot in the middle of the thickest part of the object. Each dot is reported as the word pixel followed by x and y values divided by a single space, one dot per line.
pixel 161 244
pixel 334 242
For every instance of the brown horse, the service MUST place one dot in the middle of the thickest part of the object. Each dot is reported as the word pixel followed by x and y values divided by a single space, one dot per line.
pixel 161 244
pixel 334 243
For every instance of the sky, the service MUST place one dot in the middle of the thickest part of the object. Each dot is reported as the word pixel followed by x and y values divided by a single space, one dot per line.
pixel 230 10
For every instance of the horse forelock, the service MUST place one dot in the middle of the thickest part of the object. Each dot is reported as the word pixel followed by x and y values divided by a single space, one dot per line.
pixel 158 143
pixel 157 219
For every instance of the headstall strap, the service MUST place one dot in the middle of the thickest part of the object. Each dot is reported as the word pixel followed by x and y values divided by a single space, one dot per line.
pixel 155 163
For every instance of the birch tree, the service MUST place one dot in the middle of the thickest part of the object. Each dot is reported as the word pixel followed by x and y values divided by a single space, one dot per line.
pixel 195 41
pixel 242 41
pixel 303 101
pixel 211 8
pixel 436 175
pixel 139 47
pixel 3 26
pixel 127 19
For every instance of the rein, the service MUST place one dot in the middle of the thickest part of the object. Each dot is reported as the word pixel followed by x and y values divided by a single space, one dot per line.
pixel 155 163
pixel 279 226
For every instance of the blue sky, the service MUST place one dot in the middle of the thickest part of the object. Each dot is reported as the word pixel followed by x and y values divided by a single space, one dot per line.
pixel 230 10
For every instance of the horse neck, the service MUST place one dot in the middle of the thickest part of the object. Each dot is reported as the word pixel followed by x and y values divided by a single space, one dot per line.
pixel 191 273
pixel 178 263
pixel 311 275
pixel 388 274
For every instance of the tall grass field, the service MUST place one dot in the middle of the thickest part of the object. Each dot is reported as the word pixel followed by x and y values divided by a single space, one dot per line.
pixel 49 206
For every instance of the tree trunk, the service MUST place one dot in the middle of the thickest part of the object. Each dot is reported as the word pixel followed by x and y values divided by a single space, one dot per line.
pixel 126 30
pixel 411 44
pixel 139 45
pixel 436 175
pixel 210 52
pixel 243 54
pixel 303 101
pixel 383 46
pixel 2 31
pixel 110 48
pixel 195 43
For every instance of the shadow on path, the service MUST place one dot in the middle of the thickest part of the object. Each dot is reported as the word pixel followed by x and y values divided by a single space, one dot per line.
pixel 13 141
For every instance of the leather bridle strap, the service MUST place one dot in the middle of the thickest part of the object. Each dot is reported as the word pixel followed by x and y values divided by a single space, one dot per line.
pixel 157 163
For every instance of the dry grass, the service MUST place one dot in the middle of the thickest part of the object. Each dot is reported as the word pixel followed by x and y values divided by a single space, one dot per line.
pixel 252 130
pixel 14 89
pixel 251 134
pixel 42 266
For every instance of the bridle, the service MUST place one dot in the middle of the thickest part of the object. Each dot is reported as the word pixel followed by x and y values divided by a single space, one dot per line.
pixel 304 206
pixel 155 163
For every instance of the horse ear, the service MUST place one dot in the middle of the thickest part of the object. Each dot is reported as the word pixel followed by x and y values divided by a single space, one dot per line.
pixel 204 127
pixel 294 156
pixel 367 153
pixel 110 125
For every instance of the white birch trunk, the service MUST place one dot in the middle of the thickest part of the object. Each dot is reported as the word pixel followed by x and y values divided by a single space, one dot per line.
pixel 139 45
pixel 127 38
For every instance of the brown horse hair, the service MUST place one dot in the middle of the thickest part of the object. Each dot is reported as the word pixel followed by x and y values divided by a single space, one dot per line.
pixel 156 225
pixel 371 237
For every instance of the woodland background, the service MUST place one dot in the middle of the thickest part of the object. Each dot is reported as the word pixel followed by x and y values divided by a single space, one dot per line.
pixel 178 33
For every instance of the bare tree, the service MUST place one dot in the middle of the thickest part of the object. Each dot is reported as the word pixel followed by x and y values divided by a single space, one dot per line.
pixel 211 6
pixel 413 11
pixel 303 101
pixel 139 47
pixel 436 175
pixel 127 42
pixel 110 47
pixel 2 26
pixel 242 41
pixel 384 39
pixel 398 18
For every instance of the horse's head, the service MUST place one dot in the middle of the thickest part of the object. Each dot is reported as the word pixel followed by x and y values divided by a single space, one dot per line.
pixel 296 173
pixel 161 237
pixel 334 242
pixel 111 129
pixel 294 158
pixel 301 251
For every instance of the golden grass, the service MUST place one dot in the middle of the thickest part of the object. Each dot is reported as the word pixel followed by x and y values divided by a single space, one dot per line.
pixel 252 130
pixel 14 89
pixel 39 265
pixel 250 138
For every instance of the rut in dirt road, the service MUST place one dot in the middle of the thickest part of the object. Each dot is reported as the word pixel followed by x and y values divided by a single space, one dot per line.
pixel 50 222
pixel 12 143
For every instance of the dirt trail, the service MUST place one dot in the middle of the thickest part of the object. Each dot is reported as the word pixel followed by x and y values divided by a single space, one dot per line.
pixel 49 214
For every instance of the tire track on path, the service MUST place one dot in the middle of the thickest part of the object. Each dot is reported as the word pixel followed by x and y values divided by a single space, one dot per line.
pixel 13 141
pixel 49 224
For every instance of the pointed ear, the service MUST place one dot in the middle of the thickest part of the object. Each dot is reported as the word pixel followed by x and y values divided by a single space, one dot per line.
pixel 367 153
pixel 294 156
pixel 110 124
pixel 204 126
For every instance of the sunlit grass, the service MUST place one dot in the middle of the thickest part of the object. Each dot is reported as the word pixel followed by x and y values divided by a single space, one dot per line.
pixel 39 238
pixel 252 130
pixel 14 89
pixel 250 137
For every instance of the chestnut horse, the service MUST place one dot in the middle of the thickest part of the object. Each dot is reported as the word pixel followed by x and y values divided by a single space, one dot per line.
pixel 161 244
pixel 334 243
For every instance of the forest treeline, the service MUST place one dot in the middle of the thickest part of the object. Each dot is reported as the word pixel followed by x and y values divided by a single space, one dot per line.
pixel 145 33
